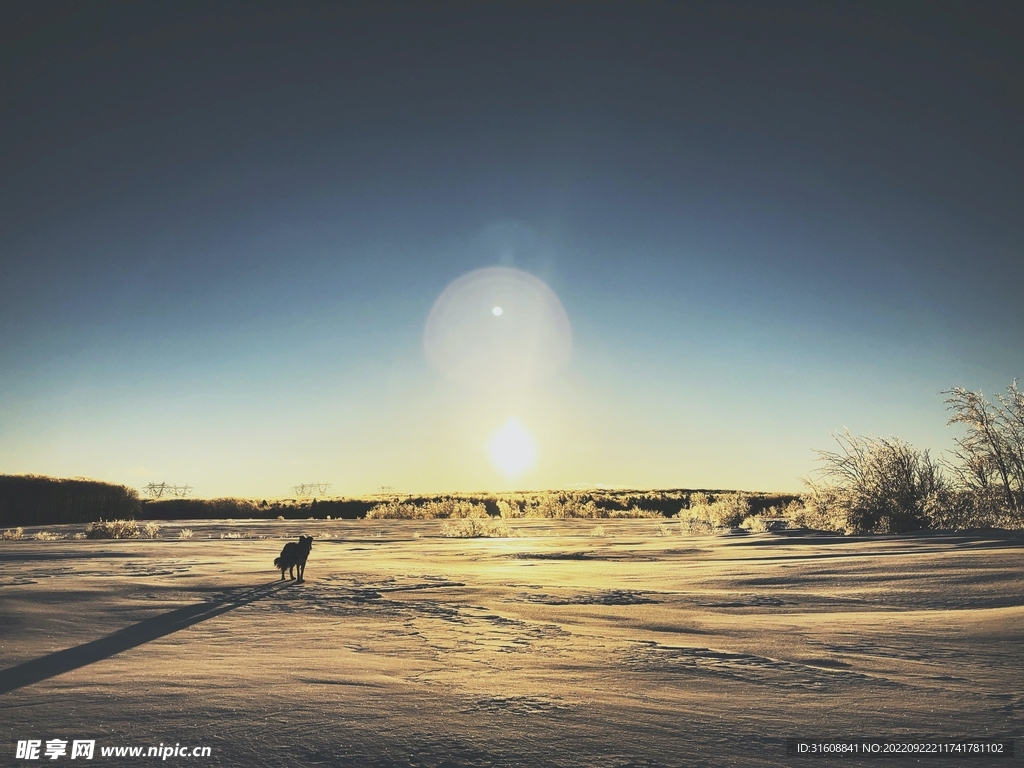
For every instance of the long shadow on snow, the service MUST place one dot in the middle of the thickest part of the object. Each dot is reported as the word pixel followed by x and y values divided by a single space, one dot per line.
pixel 23 556
pixel 982 537
pixel 59 662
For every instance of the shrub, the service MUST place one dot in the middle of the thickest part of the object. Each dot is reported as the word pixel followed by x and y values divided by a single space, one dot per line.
pixel 875 485
pixel 474 527
pixel 451 508
pixel 9 535
pixel 569 505
pixel 185 533
pixel 112 529
pixel 47 536
pixel 963 508
pixel 798 514
pixel 561 506
pixel 392 510
pixel 632 512
pixel 152 530
pixel 509 509
pixel 695 526
pixel 726 511
pixel 754 524
pixel 430 509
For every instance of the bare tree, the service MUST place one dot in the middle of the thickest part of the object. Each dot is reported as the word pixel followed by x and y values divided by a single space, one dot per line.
pixel 990 456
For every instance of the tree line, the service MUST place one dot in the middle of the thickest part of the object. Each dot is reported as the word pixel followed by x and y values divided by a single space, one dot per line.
pixel 36 500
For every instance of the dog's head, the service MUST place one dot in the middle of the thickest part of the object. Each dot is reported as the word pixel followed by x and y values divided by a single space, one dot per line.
pixel 306 541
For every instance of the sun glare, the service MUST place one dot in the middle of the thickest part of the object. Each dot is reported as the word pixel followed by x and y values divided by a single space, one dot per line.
pixel 512 448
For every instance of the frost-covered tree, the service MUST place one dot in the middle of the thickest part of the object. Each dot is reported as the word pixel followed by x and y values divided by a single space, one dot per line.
pixel 989 458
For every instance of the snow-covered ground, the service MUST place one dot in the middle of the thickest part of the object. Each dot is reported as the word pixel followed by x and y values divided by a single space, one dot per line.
pixel 560 647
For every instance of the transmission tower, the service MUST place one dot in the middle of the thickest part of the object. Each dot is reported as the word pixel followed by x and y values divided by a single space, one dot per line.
pixel 160 490
pixel 311 489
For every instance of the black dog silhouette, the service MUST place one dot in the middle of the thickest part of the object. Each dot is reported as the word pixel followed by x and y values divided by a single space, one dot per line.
pixel 293 556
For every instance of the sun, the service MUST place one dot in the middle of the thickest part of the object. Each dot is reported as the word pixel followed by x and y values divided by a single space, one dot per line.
pixel 512 448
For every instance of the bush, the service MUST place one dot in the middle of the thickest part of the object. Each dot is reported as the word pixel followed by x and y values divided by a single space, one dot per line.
pixel 726 511
pixel 9 535
pixel 509 508
pixel 819 512
pixel 474 527
pixel 962 508
pixel 575 505
pixel 452 508
pixel 875 485
pixel 754 524
pixel 632 512
pixel 560 506
pixel 797 514
pixel 112 529
pixel 392 510
pixel 429 509
pixel 695 527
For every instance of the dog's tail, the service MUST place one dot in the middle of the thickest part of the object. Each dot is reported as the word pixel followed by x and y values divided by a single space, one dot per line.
pixel 277 562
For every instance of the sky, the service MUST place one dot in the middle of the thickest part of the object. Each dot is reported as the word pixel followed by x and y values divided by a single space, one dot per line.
pixel 735 228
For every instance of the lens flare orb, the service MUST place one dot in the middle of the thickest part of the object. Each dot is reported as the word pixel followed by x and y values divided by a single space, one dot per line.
pixel 496 328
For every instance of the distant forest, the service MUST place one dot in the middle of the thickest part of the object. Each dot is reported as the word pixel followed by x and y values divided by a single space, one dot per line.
pixel 37 500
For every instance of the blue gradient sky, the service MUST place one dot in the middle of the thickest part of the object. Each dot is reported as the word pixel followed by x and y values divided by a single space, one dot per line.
pixel 223 228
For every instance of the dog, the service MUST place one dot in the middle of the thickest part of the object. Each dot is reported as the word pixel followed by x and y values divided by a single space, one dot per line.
pixel 293 557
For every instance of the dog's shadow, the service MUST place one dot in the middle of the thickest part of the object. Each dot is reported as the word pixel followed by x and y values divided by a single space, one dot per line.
pixel 59 662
